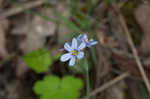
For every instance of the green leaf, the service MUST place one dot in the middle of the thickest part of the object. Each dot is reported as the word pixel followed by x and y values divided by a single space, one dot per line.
pixel 74 5
pixel 38 60
pixel 83 21
pixel 49 83
pixel 93 54
pixel 57 57
pixel 73 27
pixel 52 87
pixel 90 5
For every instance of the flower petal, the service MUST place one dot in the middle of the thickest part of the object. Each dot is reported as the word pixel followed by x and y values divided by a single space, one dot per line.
pixel 81 46
pixel 79 37
pixel 94 43
pixel 72 61
pixel 91 40
pixel 74 43
pixel 88 45
pixel 84 36
pixel 67 47
pixel 65 57
pixel 80 55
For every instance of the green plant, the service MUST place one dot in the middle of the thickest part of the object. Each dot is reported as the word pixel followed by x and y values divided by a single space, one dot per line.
pixel 75 52
pixel 38 60
pixel 52 87
pixel 81 23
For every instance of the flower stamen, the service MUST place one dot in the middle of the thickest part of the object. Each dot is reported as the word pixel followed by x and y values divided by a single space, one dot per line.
pixel 74 52
pixel 87 40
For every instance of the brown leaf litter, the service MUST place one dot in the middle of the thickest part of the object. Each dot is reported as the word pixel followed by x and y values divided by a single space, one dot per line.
pixel 142 14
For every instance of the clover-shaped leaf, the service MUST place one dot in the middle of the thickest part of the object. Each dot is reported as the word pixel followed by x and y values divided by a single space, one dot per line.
pixel 52 87
pixel 38 60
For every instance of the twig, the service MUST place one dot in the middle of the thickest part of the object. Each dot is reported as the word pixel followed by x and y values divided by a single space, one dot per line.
pixel 109 84
pixel 134 51
pixel 20 8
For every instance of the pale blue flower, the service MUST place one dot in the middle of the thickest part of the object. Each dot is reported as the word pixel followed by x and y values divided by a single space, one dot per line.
pixel 74 51
pixel 84 39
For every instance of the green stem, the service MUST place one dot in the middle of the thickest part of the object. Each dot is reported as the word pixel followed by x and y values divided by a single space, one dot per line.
pixel 89 6
pixel 87 83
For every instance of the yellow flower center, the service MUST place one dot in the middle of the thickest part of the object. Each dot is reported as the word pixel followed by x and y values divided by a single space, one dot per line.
pixel 74 52
pixel 87 40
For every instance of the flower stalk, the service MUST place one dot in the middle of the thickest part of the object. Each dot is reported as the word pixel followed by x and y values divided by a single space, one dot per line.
pixel 87 83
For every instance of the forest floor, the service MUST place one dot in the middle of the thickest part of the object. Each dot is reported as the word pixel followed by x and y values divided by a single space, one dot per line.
pixel 119 64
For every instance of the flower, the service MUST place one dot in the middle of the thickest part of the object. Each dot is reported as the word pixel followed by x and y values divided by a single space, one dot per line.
pixel 74 51
pixel 88 42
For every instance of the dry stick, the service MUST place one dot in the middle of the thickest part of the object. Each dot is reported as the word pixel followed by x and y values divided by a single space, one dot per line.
pixel 134 51
pixel 109 84
pixel 20 8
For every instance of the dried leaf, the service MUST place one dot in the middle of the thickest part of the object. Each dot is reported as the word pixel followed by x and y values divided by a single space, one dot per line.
pixel 117 91
pixel 142 14
pixel 42 26
pixel 21 68
pixel 134 89
pixel 3 28
pixel 62 29
pixel 1 3
pixel 32 42
pixel 36 25
pixel 36 30
pixel 128 64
